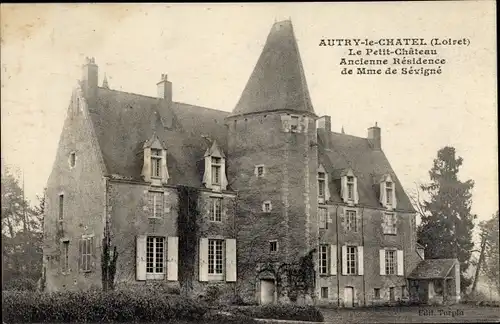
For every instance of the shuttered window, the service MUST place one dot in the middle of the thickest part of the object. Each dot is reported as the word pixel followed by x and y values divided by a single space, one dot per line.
pixel 390 262
pixel 323 259
pixel 215 256
pixel 155 255
pixel 352 260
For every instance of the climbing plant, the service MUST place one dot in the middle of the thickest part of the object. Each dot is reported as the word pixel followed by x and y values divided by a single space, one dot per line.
pixel 108 265
pixel 188 232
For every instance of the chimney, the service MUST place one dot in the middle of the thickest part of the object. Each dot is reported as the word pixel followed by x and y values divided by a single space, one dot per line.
pixel 165 89
pixel 375 137
pixel 325 122
pixel 89 79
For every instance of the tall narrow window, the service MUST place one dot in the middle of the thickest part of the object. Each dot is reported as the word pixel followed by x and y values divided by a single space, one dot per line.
pixel 156 163
pixel 323 215
pixel 61 207
pixel 324 292
pixel 390 223
pixel 273 246
pixel 352 258
pixel 350 188
pixel 260 171
pixel 216 169
pixel 388 192
pixel 86 254
pixel 72 159
pixel 390 262
pixel 155 255
pixel 215 257
pixel 155 204
pixel 216 210
pixel 376 292
pixel 323 259
pixel 321 184
pixel 351 221
pixel 65 257
pixel 294 125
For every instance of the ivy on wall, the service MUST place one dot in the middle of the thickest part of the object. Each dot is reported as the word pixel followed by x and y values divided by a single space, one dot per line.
pixel 108 265
pixel 188 232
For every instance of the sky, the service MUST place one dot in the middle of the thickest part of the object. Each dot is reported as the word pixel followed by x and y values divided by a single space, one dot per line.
pixel 209 51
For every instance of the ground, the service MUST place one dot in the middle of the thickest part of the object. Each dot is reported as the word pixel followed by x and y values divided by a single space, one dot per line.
pixel 414 314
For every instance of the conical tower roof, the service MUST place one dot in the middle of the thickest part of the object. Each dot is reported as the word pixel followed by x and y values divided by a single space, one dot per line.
pixel 277 81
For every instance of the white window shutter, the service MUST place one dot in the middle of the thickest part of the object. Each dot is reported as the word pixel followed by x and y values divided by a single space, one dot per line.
pixel 400 260
pixel 207 175
pixel 172 258
pixel 230 260
pixel 223 174
pixel 333 259
pixel 344 260
pixel 140 253
pixel 382 197
pixel 146 166
pixel 327 187
pixel 356 195
pixel 360 261
pixel 382 262
pixel 164 169
pixel 203 253
pixel 343 188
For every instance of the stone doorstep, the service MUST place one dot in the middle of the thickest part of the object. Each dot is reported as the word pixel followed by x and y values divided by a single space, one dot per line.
pixel 287 321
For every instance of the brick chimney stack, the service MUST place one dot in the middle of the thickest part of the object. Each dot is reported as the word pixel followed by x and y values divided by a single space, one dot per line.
pixel 90 79
pixel 325 122
pixel 165 89
pixel 375 137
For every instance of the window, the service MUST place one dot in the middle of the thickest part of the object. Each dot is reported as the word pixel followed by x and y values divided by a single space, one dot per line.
pixel 352 257
pixel 65 257
pixel 216 166
pixel 323 259
pixel 321 184
pixel 86 254
pixel 390 262
pixel 215 256
pixel 350 188
pixel 216 210
pixel 324 292
pixel 376 293
pixel 388 192
pixel 155 163
pixel 72 159
pixel 61 207
pixel 323 215
pixel 267 207
pixel 259 171
pixel 390 223
pixel 391 294
pixel 155 204
pixel 273 246
pixel 351 220
pixel 155 255
pixel 294 125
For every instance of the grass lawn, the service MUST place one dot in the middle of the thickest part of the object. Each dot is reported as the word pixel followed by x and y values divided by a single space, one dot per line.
pixel 415 314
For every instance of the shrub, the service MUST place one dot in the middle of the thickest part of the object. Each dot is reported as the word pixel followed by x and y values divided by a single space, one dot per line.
pixel 98 306
pixel 281 312
pixel 21 284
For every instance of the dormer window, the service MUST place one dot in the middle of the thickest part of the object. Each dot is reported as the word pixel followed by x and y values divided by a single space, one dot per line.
pixel 216 166
pixel 321 184
pixel 156 163
pixel 214 176
pixel 154 168
pixel 349 187
pixel 388 192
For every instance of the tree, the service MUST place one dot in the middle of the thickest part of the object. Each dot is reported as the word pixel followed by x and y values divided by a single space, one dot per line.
pixel 490 263
pixel 447 222
pixel 21 235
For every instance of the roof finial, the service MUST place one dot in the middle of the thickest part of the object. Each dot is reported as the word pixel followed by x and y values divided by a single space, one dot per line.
pixel 105 82
pixel 342 130
pixel 376 124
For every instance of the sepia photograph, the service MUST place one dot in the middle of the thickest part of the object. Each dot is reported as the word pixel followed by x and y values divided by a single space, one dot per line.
pixel 246 163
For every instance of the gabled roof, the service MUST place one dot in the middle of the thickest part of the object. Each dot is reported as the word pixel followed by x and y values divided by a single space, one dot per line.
pixel 341 152
pixel 433 269
pixel 277 81
pixel 124 122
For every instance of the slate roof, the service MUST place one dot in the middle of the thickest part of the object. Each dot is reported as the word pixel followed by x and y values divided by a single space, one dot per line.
pixel 433 269
pixel 277 81
pixel 338 152
pixel 124 121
